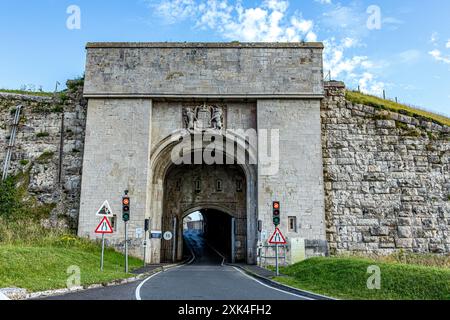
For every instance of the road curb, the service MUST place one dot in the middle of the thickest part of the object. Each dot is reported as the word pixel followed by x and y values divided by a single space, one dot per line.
pixel 59 292
pixel 284 287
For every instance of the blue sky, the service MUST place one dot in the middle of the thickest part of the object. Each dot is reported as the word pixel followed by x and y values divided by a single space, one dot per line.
pixel 402 46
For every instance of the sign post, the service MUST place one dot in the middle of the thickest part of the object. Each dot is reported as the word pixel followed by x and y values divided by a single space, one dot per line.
pixel 103 228
pixel 276 239
pixel 174 248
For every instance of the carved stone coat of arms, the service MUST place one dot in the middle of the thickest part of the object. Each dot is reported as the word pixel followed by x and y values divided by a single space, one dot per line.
pixel 202 118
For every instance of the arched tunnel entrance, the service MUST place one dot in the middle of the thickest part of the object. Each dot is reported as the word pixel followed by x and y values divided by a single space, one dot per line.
pixel 217 229
pixel 218 194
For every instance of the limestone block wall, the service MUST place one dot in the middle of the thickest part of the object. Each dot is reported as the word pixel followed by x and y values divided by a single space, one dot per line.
pixel 387 179
pixel 298 184
pixel 40 153
pixel 204 69
pixel 117 157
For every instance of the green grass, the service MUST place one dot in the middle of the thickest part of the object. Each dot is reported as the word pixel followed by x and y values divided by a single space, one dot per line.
pixel 35 257
pixel 360 98
pixel 346 278
pixel 30 93
pixel 40 268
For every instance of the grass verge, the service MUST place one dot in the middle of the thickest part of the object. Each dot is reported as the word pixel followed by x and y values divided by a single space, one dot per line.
pixel 28 93
pixel 45 267
pixel 360 98
pixel 346 278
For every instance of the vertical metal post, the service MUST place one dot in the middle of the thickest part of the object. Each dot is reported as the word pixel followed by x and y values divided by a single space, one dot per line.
pixel 61 149
pixel 276 259
pixel 174 245
pixel 233 240
pixel 126 247
pixel 103 251
pixel 145 245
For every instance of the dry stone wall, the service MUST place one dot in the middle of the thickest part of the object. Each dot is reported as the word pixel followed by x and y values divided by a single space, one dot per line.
pixel 387 179
pixel 47 150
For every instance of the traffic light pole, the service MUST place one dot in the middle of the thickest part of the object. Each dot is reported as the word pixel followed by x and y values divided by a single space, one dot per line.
pixel 126 247
pixel 276 260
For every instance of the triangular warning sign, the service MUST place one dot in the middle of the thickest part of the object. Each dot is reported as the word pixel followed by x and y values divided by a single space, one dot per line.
pixel 277 237
pixel 105 210
pixel 104 226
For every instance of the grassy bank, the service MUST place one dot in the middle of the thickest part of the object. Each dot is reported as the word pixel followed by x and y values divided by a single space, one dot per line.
pixel 45 267
pixel 26 92
pixel 346 278
pixel 37 258
pixel 360 98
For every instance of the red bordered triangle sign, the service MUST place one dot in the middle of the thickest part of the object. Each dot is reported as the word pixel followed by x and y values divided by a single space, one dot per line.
pixel 104 227
pixel 277 237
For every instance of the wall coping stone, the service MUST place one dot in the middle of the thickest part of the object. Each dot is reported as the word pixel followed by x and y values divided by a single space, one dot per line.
pixel 225 45
pixel 26 97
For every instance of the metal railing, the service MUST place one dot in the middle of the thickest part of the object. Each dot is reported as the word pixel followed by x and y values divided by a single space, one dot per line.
pixel 267 255
pixel 12 139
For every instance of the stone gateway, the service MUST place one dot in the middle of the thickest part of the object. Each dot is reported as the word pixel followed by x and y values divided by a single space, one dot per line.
pixel 225 129
pixel 220 128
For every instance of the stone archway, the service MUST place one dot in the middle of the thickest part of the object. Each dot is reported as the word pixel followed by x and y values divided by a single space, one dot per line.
pixel 161 213
pixel 209 188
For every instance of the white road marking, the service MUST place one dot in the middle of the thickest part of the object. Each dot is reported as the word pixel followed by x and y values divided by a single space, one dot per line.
pixel 223 257
pixel 265 285
pixel 138 289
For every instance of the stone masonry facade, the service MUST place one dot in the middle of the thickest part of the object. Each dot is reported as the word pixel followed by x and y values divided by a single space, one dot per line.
pixel 357 178
pixel 387 179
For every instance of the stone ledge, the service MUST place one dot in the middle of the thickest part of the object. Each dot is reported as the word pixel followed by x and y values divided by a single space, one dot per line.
pixel 200 45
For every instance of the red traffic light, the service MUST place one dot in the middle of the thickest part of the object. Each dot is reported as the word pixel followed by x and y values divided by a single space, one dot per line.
pixel 276 205
pixel 125 201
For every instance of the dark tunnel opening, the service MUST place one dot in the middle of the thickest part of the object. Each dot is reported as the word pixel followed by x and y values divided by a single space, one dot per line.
pixel 216 229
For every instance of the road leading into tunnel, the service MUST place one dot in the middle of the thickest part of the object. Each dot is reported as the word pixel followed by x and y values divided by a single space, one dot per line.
pixel 206 278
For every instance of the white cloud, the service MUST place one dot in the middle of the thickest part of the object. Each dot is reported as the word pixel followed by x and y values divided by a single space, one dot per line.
pixel 448 44
pixel 271 21
pixel 409 56
pixel 434 38
pixel 368 84
pixel 267 22
pixel 438 56
pixel 357 70
pixel 174 10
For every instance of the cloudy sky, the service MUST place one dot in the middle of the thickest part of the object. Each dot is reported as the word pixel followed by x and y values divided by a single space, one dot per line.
pixel 400 46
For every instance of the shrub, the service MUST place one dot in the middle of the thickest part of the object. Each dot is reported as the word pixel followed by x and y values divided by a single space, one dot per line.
pixel 42 134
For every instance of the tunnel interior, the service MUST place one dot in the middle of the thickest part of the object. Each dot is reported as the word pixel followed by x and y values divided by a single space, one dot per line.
pixel 216 229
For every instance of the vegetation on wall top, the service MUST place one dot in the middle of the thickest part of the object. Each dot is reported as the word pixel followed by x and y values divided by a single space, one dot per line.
pixel 376 102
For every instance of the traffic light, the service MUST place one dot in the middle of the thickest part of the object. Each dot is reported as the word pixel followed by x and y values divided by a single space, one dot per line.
pixel 126 208
pixel 276 213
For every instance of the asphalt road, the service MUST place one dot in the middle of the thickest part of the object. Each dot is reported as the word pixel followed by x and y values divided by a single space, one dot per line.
pixel 205 278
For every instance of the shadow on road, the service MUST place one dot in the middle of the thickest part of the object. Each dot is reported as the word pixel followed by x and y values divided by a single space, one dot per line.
pixel 204 254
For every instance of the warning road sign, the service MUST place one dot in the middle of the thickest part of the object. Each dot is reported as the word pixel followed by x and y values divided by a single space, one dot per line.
pixel 105 210
pixel 277 237
pixel 104 227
